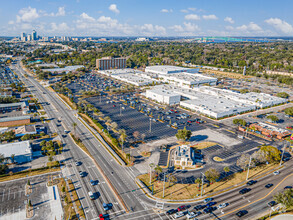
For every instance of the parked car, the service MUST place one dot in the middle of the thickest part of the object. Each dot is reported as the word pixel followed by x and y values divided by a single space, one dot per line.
pixel 181 208
pixel 171 211
pixel 190 215
pixel 179 214
pixel 93 182
pixel 199 207
pixel 77 163
pixel 207 200
pixel 269 185
pixel 288 187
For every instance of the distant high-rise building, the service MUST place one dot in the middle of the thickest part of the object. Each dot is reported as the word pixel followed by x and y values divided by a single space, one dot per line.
pixel 23 36
pixel 107 63
pixel 34 35
pixel 29 37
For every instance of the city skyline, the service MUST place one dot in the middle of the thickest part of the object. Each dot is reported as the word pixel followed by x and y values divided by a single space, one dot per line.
pixel 132 18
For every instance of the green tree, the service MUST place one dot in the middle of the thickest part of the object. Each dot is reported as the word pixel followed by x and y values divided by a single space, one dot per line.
pixel 198 181
pixel 212 175
pixel 285 198
pixel 272 154
pixel 158 170
pixel 28 182
pixel 289 111
pixel 183 134
pixel 226 170
pixel 283 95
pixel 74 125
pixel 273 118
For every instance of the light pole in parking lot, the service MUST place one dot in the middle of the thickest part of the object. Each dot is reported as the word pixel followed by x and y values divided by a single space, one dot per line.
pixel 150 125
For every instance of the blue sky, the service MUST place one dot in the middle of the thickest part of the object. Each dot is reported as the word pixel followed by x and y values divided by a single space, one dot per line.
pixel 147 17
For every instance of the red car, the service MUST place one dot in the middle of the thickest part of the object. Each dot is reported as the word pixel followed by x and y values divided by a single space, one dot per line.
pixel 114 105
pixel 181 208
pixel 101 216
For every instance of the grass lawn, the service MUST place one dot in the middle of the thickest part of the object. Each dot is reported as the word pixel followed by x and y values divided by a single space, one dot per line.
pixel 69 212
pixel 76 199
pixel 203 145
pixel 189 191
pixel 30 173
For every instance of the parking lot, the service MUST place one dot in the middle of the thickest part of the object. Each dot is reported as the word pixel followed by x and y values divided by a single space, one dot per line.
pixel 13 199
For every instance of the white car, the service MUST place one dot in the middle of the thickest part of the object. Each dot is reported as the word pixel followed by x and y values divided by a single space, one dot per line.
pixel 223 205
pixel 190 215
pixel 276 172
pixel 179 214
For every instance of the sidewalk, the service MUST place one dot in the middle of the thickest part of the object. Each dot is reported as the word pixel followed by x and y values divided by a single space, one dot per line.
pixel 55 203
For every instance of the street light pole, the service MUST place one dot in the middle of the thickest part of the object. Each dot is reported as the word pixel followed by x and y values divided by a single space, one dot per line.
pixel 201 185
pixel 283 153
pixel 248 168
pixel 164 185
pixel 150 125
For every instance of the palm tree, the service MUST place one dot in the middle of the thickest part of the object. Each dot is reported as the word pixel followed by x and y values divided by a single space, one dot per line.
pixel 122 138
pixel 158 170
pixel 12 158
pixel 198 181
pixel 74 127
pixel 226 170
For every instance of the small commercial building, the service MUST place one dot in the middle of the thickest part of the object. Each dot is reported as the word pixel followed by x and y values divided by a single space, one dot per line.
pixel 19 106
pixel 184 156
pixel 166 69
pixel 270 130
pixel 107 63
pixel 25 129
pixel 22 151
pixel 163 96
pixel 15 121
pixel 66 69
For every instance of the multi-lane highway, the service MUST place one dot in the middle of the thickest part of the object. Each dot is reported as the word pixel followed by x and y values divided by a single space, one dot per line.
pixel 122 178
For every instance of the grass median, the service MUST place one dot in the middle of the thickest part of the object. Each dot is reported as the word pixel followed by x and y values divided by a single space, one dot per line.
pixel 179 191
pixel 27 173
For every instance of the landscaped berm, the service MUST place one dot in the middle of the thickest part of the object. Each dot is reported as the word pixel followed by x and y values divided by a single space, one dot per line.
pixel 178 191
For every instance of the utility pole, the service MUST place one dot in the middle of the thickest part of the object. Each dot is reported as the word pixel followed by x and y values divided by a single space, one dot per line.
pixel 201 185
pixel 283 153
pixel 150 125
pixel 164 185
pixel 248 168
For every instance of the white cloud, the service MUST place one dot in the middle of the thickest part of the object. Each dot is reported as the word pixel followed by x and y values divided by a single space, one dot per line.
pixel 229 20
pixel 250 27
pixel 149 29
pixel 61 11
pixel 113 8
pixel 184 10
pixel 27 15
pixel 186 29
pixel 10 22
pixel 210 17
pixel 164 10
pixel 280 25
pixel 192 9
pixel 59 28
pixel 192 17
pixel 86 17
